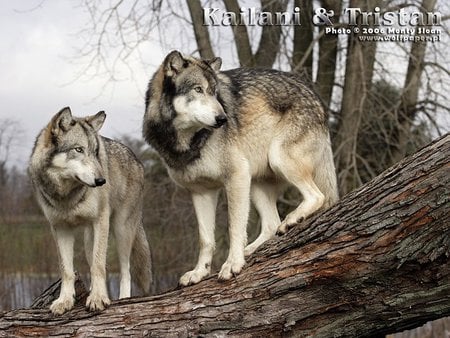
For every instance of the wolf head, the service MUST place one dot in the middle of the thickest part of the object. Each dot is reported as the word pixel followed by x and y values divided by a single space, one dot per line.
pixel 75 147
pixel 190 85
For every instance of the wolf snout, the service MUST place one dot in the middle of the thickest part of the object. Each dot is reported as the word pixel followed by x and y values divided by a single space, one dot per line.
pixel 220 121
pixel 99 181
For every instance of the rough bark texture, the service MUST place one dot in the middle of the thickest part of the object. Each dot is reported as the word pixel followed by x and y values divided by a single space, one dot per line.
pixel 328 51
pixel 201 32
pixel 268 46
pixel 358 79
pixel 377 262
pixel 302 56
pixel 242 41
pixel 407 109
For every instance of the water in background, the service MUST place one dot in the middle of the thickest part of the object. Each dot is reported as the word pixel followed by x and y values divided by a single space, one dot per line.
pixel 19 290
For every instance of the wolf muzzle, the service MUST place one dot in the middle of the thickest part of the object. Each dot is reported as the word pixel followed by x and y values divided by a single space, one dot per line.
pixel 99 181
pixel 220 121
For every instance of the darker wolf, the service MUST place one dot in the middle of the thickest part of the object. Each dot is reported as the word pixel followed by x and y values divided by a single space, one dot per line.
pixel 83 179
pixel 251 131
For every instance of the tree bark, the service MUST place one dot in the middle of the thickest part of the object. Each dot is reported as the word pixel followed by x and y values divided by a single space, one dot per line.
pixel 358 79
pixel 201 32
pixel 408 105
pixel 377 262
pixel 269 43
pixel 328 49
pixel 302 56
pixel 242 41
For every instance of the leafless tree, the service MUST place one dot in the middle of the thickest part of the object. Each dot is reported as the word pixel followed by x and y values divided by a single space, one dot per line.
pixel 10 136
pixel 342 69
pixel 13 183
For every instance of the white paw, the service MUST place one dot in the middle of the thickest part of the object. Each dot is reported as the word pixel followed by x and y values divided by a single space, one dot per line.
pixel 97 302
pixel 61 305
pixel 249 249
pixel 283 228
pixel 289 222
pixel 230 268
pixel 193 276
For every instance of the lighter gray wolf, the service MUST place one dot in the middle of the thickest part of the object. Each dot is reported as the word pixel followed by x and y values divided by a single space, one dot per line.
pixel 83 179
pixel 253 132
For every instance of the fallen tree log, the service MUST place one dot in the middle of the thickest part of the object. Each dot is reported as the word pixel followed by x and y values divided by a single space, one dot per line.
pixel 377 262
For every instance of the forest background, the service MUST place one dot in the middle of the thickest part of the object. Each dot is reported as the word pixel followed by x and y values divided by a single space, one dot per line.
pixel 386 99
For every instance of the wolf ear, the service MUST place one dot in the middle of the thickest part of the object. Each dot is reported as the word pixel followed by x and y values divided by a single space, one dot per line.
pixel 96 121
pixel 62 120
pixel 174 63
pixel 214 63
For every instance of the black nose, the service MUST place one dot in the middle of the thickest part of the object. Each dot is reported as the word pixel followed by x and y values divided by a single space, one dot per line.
pixel 99 182
pixel 220 120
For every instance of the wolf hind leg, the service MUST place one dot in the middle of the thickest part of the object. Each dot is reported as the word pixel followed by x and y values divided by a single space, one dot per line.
pixel 124 229
pixel 205 203
pixel 297 168
pixel 141 260
pixel 264 197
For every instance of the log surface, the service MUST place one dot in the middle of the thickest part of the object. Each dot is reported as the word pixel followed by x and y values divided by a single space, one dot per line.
pixel 377 262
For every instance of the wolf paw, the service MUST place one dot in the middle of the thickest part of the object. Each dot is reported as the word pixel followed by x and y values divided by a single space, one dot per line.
pixel 61 305
pixel 289 222
pixel 249 249
pixel 283 228
pixel 230 269
pixel 193 277
pixel 97 302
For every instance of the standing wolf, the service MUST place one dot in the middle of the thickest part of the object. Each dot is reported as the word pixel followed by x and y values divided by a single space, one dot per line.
pixel 251 131
pixel 83 179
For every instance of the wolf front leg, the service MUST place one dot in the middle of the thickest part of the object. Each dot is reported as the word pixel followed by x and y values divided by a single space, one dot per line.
pixel 205 203
pixel 238 195
pixel 64 239
pixel 98 298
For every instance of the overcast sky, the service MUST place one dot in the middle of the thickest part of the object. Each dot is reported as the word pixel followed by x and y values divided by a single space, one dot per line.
pixel 39 67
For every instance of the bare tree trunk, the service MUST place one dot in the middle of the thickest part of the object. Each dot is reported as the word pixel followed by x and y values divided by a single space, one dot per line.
pixel 328 48
pixel 408 106
pixel 302 58
pixel 270 37
pixel 268 46
pixel 243 47
pixel 200 30
pixel 376 262
pixel 358 80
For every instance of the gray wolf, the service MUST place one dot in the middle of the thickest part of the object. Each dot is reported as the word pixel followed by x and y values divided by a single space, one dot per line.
pixel 83 179
pixel 251 131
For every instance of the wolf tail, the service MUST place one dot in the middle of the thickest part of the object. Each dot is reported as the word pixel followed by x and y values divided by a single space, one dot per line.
pixel 325 175
pixel 141 262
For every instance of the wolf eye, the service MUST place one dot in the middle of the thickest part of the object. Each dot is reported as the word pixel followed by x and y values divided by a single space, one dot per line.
pixel 79 150
pixel 198 89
